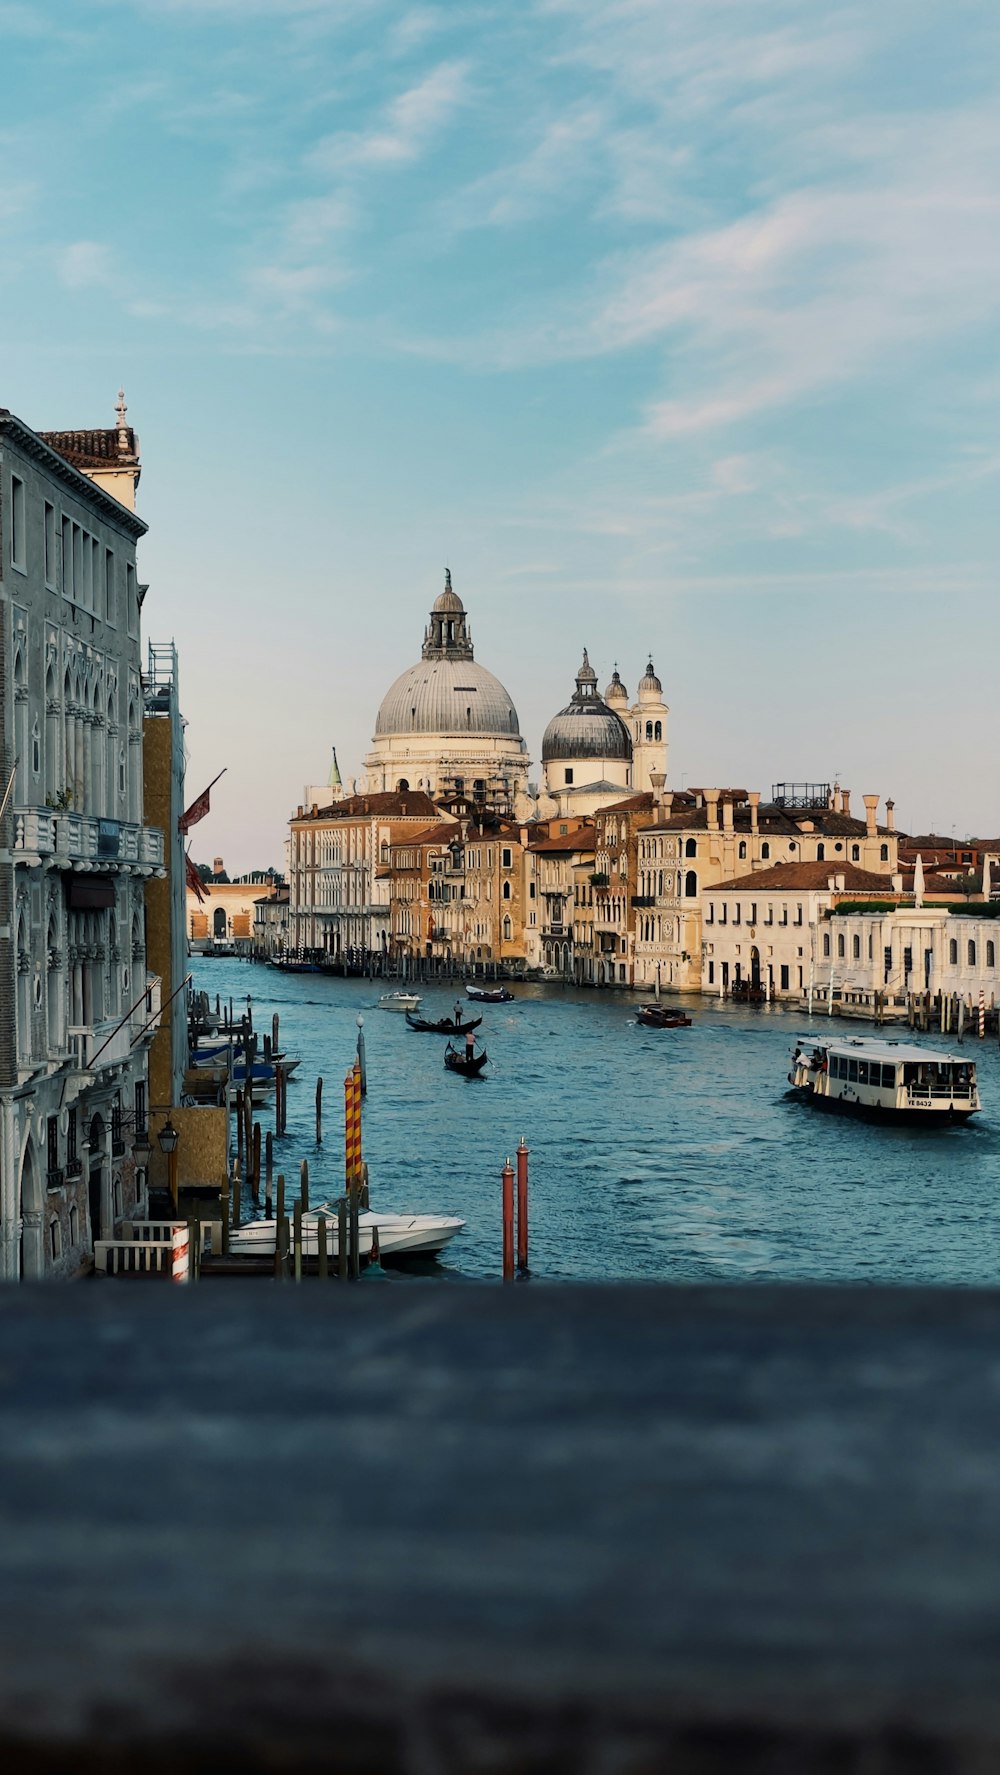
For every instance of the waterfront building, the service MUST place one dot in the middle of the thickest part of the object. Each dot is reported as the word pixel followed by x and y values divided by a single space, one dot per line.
pixel 227 914
pixel 426 893
pixel 701 837
pixel 271 922
pixel 447 727
pixel 616 853
pixel 566 848
pixel 768 933
pixel 339 871
pixel 78 1007
pixel 895 951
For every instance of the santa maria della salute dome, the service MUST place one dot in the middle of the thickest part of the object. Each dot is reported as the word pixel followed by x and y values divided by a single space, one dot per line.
pixel 447 725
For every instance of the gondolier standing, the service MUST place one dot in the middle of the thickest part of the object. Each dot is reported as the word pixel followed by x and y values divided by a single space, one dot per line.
pixel 470 1044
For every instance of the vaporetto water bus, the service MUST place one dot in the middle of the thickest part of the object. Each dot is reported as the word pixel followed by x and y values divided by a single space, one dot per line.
pixel 891 1080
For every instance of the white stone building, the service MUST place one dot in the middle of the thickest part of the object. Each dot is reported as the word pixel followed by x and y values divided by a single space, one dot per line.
pixel 598 748
pixel 77 1010
pixel 769 933
pixel 448 727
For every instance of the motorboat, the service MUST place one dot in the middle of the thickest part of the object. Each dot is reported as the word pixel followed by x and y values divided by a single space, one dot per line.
pixel 662 1017
pixel 896 1081
pixel 470 1065
pixel 399 1001
pixel 399 1235
pixel 443 1025
pixel 489 995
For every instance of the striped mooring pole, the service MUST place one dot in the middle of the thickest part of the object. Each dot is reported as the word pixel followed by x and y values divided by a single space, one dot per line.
pixel 982 1012
pixel 352 1127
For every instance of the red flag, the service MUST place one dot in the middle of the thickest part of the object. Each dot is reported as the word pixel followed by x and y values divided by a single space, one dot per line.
pixel 198 808
pixel 194 880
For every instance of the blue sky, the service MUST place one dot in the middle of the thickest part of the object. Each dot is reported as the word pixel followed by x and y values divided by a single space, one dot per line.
pixel 670 327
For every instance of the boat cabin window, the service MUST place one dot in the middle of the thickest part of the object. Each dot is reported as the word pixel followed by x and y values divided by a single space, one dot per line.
pixel 863 1072
pixel 852 1071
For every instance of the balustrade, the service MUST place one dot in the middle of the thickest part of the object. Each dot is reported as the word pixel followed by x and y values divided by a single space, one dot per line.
pixel 84 838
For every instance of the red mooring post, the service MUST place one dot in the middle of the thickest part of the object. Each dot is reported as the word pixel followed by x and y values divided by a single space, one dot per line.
pixel 508 1221
pixel 522 1204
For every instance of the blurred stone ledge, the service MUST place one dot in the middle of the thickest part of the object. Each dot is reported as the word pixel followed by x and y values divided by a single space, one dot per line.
pixel 431 1527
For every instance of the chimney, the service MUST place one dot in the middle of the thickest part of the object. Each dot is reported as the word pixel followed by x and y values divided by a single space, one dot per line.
pixel 668 802
pixel 216 865
pixel 727 815
pixel 890 815
pixel 840 882
pixel 657 778
pixel 845 801
pixel 754 800
pixel 871 805
pixel 897 884
pixel 712 804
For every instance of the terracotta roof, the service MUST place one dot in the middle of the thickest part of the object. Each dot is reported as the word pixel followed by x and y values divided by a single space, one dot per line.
pixel 631 804
pixel 806 877
pixel 94 449
pixel 581 840
pixel 440 834
pixel 407 804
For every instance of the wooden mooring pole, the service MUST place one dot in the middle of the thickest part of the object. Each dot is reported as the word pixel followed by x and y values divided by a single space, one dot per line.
pixel 268 1173
pixel 255 1168
pixel 522 1204
pixel 304 1183
pixel 319 1112
pixel 507 1177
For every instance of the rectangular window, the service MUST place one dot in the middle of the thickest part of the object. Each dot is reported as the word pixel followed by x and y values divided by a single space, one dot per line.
pixel 50 544
pixel 753 912
pixel 18 540
pixel 737 912
pixel 67 558
pixel 131 600
pixel 73 1166
pixel 798 915
pixel 77 562
pixel 505 858
pixel 710 914
pixel 109 585
pixel 863 1072
pixel 568 775
pixel 711 973
pixel 852 1071
pixel 140 1109
pixel 784 977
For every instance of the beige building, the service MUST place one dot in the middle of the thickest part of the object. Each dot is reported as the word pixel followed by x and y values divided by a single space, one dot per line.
pixel 768 934
pixel 339 876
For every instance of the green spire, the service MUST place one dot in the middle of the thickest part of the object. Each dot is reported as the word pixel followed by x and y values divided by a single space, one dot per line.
pixel 333 780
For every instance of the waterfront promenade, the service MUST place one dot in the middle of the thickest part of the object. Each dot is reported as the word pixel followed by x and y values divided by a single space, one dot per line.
pixel 655 1155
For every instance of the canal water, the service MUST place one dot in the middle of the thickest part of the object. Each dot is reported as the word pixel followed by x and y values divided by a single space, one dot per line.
pixel 668 1155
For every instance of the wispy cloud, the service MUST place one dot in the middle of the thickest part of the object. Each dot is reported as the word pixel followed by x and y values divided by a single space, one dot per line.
pixel 407 127
pixel 84 264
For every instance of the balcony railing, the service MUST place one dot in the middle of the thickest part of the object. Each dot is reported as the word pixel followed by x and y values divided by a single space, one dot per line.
pixel 95 1046
pixel 644 899
pixel 85 838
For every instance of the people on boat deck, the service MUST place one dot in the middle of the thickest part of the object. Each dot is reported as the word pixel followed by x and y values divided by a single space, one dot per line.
pixel 470 1044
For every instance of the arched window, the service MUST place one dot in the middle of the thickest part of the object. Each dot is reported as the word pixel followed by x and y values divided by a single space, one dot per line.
pixel 856 948
pixel 953 952
pixel 691 885
pixel 840 946
pixel 765 850
pixel 691 847
pixel 742 849
pixel 506 890
pixel 55 1240
pixel 821 853
pixel 508 929
pixel 972 953
pixel 884 853
pixel 855 853
pixel 649 730
pixel 826 942
pixel 658 730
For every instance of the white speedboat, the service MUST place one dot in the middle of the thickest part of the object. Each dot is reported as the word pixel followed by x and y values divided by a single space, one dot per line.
pixel 399 1235
pixel 897 1081
pixel 399 1001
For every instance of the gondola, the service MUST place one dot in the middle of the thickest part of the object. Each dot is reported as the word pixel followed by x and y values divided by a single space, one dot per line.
pixel 443 1026
pixel 660 1017
pixel 489 995
pixel 470 1067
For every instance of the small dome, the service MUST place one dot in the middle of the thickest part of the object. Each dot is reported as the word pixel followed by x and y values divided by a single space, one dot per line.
pixel 616 692
pixel 586 728
pixel 650 682
pixel 448 602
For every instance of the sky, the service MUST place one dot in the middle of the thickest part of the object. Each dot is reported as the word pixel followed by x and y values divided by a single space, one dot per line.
pixel 670 326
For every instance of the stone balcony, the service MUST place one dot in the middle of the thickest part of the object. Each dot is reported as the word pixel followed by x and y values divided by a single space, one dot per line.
pixel 85 840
